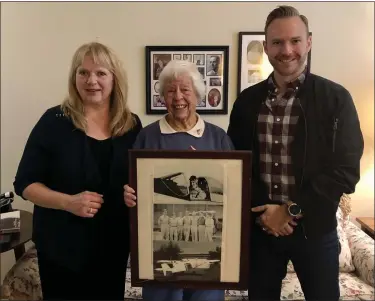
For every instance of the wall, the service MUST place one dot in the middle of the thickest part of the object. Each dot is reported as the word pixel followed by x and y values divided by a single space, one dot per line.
pixel 38 40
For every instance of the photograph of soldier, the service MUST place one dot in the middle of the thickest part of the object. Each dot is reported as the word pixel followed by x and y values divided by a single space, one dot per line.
pixel 198 189
pixel 160 61
pixel 213 65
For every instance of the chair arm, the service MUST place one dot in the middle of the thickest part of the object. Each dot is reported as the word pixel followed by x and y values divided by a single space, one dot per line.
pixel 22 282
pixel 362 251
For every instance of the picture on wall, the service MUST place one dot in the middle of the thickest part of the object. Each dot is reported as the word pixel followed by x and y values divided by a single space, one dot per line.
pixel 190 226
pixel 253 63
pixel 212 63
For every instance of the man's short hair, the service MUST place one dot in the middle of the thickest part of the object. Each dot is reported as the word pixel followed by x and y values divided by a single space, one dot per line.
pixel 285 11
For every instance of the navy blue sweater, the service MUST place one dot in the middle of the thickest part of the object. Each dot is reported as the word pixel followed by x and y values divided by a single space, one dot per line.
pixel 58 155
pixel 213 138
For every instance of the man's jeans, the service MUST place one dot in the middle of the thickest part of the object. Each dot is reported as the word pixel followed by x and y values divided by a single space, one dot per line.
pixel 316 262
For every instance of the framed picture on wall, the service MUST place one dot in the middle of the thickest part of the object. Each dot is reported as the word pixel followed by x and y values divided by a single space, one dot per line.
pixel 253 63
pixel 191 223
pixel 212 62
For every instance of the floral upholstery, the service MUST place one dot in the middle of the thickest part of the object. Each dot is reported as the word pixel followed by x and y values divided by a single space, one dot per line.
pixel 22 281
pixel 362 249
pixel 356 271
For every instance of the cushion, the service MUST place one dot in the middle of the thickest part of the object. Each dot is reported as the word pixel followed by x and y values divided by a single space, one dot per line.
pixel 362 248
pixel 351 288
pixel 345 259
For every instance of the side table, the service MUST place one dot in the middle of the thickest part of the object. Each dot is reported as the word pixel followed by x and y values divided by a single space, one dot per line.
pixel 367 225
pixel 18 240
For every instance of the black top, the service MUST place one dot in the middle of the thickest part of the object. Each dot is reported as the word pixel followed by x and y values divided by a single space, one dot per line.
pixel 326 151
pixel 103 152
pixel 64 159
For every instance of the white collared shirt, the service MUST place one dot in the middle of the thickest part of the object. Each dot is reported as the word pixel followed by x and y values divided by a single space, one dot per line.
pixel 196 131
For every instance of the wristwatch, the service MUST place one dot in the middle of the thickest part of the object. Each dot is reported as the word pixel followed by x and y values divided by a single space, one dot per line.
pixel 293 209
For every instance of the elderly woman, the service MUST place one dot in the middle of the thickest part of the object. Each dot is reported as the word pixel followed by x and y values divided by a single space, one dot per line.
pixel 73 169
pixel 181 85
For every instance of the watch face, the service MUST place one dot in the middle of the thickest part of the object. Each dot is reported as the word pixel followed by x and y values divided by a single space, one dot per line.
pixel 294 209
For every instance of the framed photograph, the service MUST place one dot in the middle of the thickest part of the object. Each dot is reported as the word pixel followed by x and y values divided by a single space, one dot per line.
pixel 212 63
pixel 190 227
pixel 253 63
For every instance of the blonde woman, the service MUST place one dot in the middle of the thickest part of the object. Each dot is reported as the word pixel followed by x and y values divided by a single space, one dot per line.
pixel 73 169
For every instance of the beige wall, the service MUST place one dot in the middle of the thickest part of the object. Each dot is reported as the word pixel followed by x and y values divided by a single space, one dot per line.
pixel 38 40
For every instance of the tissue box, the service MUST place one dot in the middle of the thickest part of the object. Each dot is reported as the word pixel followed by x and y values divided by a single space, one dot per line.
pixel 10 222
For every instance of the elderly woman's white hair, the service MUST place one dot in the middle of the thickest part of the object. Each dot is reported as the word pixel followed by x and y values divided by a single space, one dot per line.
pixel 178 68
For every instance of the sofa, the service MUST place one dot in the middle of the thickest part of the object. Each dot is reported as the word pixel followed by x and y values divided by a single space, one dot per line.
pixel 356 270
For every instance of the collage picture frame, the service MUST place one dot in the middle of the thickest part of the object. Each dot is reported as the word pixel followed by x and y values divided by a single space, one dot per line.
pixel 212 63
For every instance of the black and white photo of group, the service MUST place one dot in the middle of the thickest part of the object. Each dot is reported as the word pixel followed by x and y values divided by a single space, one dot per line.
pixel 194 223
pixel 194 184
pixel 187 241
pixel 210 66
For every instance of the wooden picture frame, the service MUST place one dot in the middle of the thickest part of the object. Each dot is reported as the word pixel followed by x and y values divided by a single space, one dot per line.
pixel 253 63
pixel 190 255
pixel 215 75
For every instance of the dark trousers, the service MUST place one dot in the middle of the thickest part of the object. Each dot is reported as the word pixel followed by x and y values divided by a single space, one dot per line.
pixel 316 262
pixel 103 280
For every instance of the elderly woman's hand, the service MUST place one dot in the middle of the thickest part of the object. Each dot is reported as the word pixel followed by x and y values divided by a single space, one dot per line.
pixel 129 196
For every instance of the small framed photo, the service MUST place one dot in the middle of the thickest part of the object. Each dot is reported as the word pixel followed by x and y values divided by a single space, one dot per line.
pixel 191 223
pixel 253 63
pixel 212 63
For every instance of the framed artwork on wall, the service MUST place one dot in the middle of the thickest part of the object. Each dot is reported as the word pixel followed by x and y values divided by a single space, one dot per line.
pixel 191 223
pixel 253 63
pixel 212 62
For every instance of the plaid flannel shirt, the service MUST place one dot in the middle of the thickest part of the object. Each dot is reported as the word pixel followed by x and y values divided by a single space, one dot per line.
pixel 277 121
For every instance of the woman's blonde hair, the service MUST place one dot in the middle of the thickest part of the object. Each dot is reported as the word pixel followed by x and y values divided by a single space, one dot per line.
pixel 121 119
